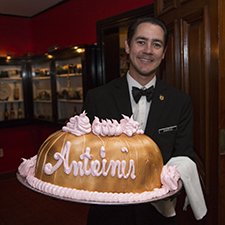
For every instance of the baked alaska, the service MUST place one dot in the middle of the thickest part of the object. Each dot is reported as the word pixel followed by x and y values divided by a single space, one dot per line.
pixel 107 161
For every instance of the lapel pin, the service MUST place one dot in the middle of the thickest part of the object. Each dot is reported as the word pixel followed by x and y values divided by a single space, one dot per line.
pixel 161 97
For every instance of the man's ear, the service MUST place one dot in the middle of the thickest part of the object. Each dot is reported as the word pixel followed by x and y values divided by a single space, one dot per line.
pixel 127 48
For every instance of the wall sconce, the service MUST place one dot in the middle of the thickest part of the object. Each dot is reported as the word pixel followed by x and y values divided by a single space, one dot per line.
pixel 8 56
pixel 80 50
pixel 50 56
pixel 53 48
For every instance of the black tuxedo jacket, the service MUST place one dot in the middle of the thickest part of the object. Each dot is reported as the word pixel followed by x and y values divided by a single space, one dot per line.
pixel 170 119
pixel 169 125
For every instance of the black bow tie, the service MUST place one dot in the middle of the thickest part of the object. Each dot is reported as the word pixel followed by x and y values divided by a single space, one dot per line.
pixel 137 93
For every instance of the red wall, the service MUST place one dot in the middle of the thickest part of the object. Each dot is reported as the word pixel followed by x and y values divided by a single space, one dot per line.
pixel 15 35
pixel 67 24
pixel 21 142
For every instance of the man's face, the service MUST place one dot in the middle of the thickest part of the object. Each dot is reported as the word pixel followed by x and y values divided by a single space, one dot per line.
pixel 146 50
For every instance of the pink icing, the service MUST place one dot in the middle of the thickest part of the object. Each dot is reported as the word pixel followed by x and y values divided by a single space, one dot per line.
pixel 96 167
pixel 78 125
pixel 27 167
pixel 130 127
pixel 113 128
pixel 169 177
pixel 96 126
pixel 106 127
pixel 118 128
pixel 94 196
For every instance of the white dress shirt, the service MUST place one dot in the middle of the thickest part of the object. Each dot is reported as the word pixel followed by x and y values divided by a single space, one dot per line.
pixel 185 166
pixel 141 109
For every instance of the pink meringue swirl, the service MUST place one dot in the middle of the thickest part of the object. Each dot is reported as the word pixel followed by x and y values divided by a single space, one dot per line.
pixel 106 127
pixel 169 177
pixel 130 127
pixel 118 128
pixel 78 125
pixel 96 126
pixel 27 167
pixel 113 128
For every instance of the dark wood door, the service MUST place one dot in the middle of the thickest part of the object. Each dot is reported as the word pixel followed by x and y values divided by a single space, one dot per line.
pixel 108 40
pixel 111 54
pixel 221 61
pixel 191 64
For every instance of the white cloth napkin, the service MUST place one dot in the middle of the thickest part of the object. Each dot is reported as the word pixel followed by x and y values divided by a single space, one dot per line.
pixel 190 178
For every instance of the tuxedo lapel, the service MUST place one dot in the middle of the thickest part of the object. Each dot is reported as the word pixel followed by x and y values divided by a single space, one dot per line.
pixel 122 97
pixel 157 106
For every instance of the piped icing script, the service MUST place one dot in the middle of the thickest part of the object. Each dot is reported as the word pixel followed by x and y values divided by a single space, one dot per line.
pixel 80 125
pixel 97 168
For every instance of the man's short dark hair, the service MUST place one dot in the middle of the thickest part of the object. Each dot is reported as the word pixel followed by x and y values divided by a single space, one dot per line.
pixel 133 27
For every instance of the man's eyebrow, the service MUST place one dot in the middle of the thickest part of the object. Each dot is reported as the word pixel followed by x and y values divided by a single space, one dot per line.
pixel 158 40
pixel 146 39
pixel 142 38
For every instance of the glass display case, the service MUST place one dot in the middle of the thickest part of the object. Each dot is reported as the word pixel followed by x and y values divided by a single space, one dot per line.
pixel 69 81
pixel 11 89
pixel 49 87
pixel 41 86
pixel 60 81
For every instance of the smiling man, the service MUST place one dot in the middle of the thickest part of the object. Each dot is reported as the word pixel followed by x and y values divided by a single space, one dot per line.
pixel 146 51
pixel 164 113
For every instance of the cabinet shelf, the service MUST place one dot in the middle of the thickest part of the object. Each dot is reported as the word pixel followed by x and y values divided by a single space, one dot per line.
pixel 70 100
pixel 10 79
pixel 70 75
pixel 43 101
pixel 11 101
pixel 41 78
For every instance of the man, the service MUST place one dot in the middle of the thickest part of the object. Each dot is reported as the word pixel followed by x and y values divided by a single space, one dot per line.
pixel 164 113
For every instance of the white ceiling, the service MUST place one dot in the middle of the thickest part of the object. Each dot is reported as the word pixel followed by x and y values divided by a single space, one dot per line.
pixel 26 8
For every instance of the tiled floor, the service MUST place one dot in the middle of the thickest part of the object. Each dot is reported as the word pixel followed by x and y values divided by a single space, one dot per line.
pixel 19 205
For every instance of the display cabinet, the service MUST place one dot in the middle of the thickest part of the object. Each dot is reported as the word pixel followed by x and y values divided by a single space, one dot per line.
pixel 13 105
pixel 69 83
pixel 61 79
pixel 48 87
pixel 41 87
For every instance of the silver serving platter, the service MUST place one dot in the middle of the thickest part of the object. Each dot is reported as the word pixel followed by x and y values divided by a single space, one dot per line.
pixel 170 195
